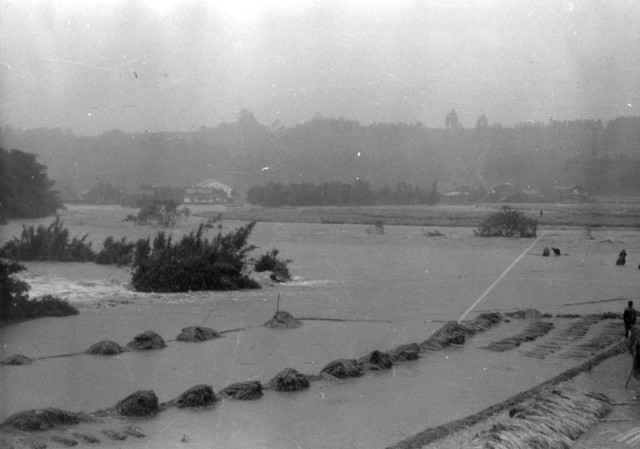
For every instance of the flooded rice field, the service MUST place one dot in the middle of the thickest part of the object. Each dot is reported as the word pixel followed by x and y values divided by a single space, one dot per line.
pixel 355 291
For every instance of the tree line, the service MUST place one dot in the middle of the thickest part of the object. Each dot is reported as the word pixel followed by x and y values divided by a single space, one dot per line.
pixel 358 193
pixel 603 157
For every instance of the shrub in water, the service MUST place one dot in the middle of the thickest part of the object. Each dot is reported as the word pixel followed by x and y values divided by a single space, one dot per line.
pixel 194 263
pixel 163 213
pixel 116 252
pixel 507 222
pixel 46 305
pixel 270 262
pixel 48 243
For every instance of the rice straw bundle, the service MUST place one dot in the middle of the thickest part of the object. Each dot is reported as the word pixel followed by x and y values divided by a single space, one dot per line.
pixel 198 396
pixel 146 341
pixel 140 403
pixel 17 359
pixel 343 368
pixel 376 360
pixel 456 333
pixel 289 379
pixel 42 419
pixel 532 332
pixel 243 390
pixel 552 420
pixel 197 334
pixel 283 320
pixel 114 434
pixel 105 347
pixel 409 351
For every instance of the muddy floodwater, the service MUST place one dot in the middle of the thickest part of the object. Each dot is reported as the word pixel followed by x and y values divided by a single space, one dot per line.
pixel 356 292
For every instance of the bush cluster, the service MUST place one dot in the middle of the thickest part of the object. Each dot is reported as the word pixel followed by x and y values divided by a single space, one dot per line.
pixel 163 213
pixel 269 262
pixel 507 222
pixel 116 252
pixel 194 263
pixel 48 243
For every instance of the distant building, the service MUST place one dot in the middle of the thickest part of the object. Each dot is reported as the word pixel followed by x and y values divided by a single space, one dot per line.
pixel 456 197
pixel 568 194
pixel 502 192
pixel 208 192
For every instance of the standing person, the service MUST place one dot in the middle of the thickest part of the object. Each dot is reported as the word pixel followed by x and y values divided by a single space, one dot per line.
pixel 629 317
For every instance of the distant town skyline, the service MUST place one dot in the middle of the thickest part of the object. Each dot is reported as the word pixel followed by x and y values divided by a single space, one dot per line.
pixel 180 65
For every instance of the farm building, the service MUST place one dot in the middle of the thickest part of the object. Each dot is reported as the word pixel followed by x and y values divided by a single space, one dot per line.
pixel 569 194
pixel 502 192
pixel 456 197
pixel 208 192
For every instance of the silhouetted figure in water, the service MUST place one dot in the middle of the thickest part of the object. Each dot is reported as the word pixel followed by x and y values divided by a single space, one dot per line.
pixel 629 317
pixel 556 251
pixel 622 258
pixel 546 252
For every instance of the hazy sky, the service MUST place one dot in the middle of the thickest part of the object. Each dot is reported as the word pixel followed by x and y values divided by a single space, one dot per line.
pixel 95 65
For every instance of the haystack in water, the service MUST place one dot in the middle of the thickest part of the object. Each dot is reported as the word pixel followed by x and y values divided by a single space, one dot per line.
pixel 17 359
pixel 409 351
pixel 552 420
pixel 342 368
pixel 243 390
pixel 43 419
pixel 198 396
pixel 449 334
pixel 487 320
pixel 105 347
pixel 376 360
pixel 283 320
pixel 289 379
pixel 146 341
pixel 527 314
pixel 197 334
pixel 140 403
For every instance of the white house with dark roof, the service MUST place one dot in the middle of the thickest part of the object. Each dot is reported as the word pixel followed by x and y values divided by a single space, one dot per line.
pixel 209 191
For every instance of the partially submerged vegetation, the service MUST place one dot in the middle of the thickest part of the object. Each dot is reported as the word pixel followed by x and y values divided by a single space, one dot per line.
pixel 190 264
pixel 269 261
pixel 163 213
pixel 194 263
pixel 48 243
pixel 508 222
pixel 116 252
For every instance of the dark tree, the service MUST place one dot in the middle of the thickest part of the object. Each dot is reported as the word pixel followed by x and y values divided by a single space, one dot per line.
pixel 451 120
pixel 25 189
pixel 433 194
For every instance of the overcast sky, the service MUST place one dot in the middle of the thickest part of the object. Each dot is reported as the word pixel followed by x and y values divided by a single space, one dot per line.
pixel 178 65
